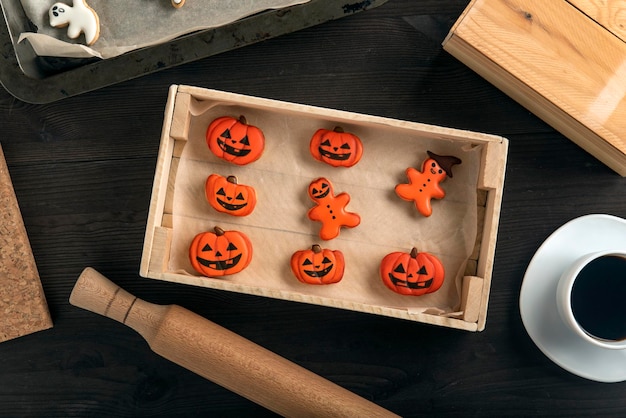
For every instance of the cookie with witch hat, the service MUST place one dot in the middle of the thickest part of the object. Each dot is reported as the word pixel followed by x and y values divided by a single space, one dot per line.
pixel 423 186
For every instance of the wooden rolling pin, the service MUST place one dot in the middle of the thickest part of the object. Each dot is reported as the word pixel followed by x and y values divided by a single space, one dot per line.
pixel 222 356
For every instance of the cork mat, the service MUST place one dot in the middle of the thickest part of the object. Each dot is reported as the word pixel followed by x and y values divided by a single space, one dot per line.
pixel 23 307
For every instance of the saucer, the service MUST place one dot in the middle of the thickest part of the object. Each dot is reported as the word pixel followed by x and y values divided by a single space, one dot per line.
pixel 559 343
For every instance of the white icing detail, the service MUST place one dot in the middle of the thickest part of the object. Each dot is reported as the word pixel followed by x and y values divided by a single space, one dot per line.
pixel 79 18
pixel 178 3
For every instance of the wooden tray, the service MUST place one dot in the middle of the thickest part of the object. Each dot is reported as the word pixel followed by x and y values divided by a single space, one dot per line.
pixel 565 61
pixel 462 230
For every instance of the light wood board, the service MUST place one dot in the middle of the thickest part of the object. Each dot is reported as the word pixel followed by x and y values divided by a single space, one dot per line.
pixel 23 307
pixel 563 60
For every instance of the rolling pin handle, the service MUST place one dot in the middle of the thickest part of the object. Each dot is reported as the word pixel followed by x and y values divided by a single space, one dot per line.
pixel 222 356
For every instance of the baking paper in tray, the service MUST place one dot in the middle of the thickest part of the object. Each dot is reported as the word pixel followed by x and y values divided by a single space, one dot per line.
pixel 279 224
pixel 126 25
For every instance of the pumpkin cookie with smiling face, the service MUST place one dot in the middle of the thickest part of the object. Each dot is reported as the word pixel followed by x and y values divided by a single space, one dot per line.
pixel 414 274
pixel 220 253
pixel 330 210
pixel 336 148
pixel 226 195
pixel 318 265
pixel 235 141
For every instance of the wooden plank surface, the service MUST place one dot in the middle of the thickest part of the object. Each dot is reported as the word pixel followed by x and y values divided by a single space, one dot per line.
pixel 556 61
pixel 610 14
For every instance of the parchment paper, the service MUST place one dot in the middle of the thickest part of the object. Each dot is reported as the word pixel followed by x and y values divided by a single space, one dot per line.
pixel 130 24
pixel 279 224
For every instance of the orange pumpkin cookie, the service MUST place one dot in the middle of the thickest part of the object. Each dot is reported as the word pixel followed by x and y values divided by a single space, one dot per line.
pixel 225 195
pixel 220 253
pixel 336 147
pixel 424 186
pixel 235 141
pixel 412 273
pixel 330 210
pixel 317 265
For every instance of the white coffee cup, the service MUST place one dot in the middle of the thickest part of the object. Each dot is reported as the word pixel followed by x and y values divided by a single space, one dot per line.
pixel 591 298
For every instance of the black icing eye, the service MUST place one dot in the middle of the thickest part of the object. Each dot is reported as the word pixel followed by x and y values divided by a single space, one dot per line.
pixel 226 134
pixel 433 165
pixel 400 269
pixel 231 247
pixel 239 197
pixel 221 192
pixel 422 270
pixel 345 146
pixel 440 171
pixel 245 140
pixel 326 260
pixel 326 143
pixel 207 247
pixel 307 262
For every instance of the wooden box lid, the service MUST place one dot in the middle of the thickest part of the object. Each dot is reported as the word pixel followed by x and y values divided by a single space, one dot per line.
pixel 565 61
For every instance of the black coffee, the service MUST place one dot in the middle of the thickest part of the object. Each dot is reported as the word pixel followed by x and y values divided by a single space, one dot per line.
pixel 599 298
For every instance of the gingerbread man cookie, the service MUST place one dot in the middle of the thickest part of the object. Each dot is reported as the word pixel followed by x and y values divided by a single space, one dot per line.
pixel 79 18
pixel 330 210
pixel 424 186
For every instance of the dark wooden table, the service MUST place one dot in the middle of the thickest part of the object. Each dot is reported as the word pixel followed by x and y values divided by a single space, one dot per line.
pixel 83 168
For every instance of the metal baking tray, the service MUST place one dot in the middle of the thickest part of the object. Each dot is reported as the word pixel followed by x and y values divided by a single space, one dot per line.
pixel 36 79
